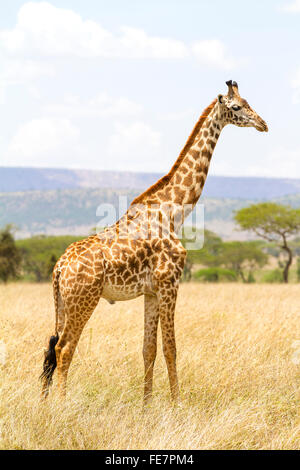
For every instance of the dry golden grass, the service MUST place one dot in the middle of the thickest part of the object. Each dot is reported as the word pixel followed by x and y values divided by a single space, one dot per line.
pixel 239 384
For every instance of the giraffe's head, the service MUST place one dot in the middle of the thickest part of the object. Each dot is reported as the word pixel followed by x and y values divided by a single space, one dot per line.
pixel 236 110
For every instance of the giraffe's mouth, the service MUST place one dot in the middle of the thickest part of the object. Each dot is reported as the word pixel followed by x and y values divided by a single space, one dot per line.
pixel 261 126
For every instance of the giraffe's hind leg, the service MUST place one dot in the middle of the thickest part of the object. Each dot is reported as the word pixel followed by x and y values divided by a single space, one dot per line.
pixel 76 319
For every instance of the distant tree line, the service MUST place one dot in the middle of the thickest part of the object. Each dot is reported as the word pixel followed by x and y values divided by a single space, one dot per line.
pixel 33 259
pixel 225 261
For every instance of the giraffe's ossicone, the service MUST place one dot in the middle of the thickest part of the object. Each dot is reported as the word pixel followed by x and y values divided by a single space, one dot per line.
pixel 141 254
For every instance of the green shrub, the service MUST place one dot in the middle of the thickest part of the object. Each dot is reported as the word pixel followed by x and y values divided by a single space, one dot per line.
pixel 273 276
pixel 215 275
pixel 298 269
pixel 251 278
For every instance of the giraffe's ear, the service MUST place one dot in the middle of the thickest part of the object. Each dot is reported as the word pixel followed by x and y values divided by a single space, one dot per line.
pixel 220 98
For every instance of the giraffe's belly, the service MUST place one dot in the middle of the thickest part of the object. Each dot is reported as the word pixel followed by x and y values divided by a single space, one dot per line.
pixel 114 289
pixel 113 293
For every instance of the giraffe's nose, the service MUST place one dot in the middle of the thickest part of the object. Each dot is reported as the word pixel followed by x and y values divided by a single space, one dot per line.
pixel 261 125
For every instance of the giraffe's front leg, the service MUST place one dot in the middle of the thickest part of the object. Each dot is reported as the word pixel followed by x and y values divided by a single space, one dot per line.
pixel 167 300
pixel 151 317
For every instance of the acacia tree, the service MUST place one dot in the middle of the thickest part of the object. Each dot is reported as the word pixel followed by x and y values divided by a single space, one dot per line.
pixel 243 258
pixel 10 257
pixel 274 223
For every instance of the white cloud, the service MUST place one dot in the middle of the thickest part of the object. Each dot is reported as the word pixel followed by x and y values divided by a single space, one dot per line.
pixel 295 82
pixel 43 30
pixel 212 52
pixel 293 7
pixel 42 138
pixel 136 143
pixel 49 31
pixel 102 105
pixel 135 43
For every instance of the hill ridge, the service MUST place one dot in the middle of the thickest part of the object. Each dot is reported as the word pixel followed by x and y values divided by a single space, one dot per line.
pixel 74 211
pixel 16 179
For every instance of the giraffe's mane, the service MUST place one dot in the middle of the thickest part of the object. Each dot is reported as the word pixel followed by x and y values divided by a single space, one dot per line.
pixel 167 178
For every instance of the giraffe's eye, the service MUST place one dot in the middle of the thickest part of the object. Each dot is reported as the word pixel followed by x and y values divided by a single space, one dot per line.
pixel 235 107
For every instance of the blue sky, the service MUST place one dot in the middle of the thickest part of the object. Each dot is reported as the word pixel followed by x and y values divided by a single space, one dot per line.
pixel 119 85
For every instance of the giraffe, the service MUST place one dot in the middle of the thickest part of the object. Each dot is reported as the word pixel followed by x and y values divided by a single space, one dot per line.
pixel 141 254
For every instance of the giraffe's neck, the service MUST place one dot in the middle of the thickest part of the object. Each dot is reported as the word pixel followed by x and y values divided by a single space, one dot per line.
pixel 189 173
pixel 184 183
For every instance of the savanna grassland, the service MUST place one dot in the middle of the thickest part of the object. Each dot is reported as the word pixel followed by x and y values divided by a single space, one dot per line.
pixel 237 366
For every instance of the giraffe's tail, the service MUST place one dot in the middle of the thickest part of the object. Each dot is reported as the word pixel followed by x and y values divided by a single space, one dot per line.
pixel 56 294
pixel 49 366
pixel 50 363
